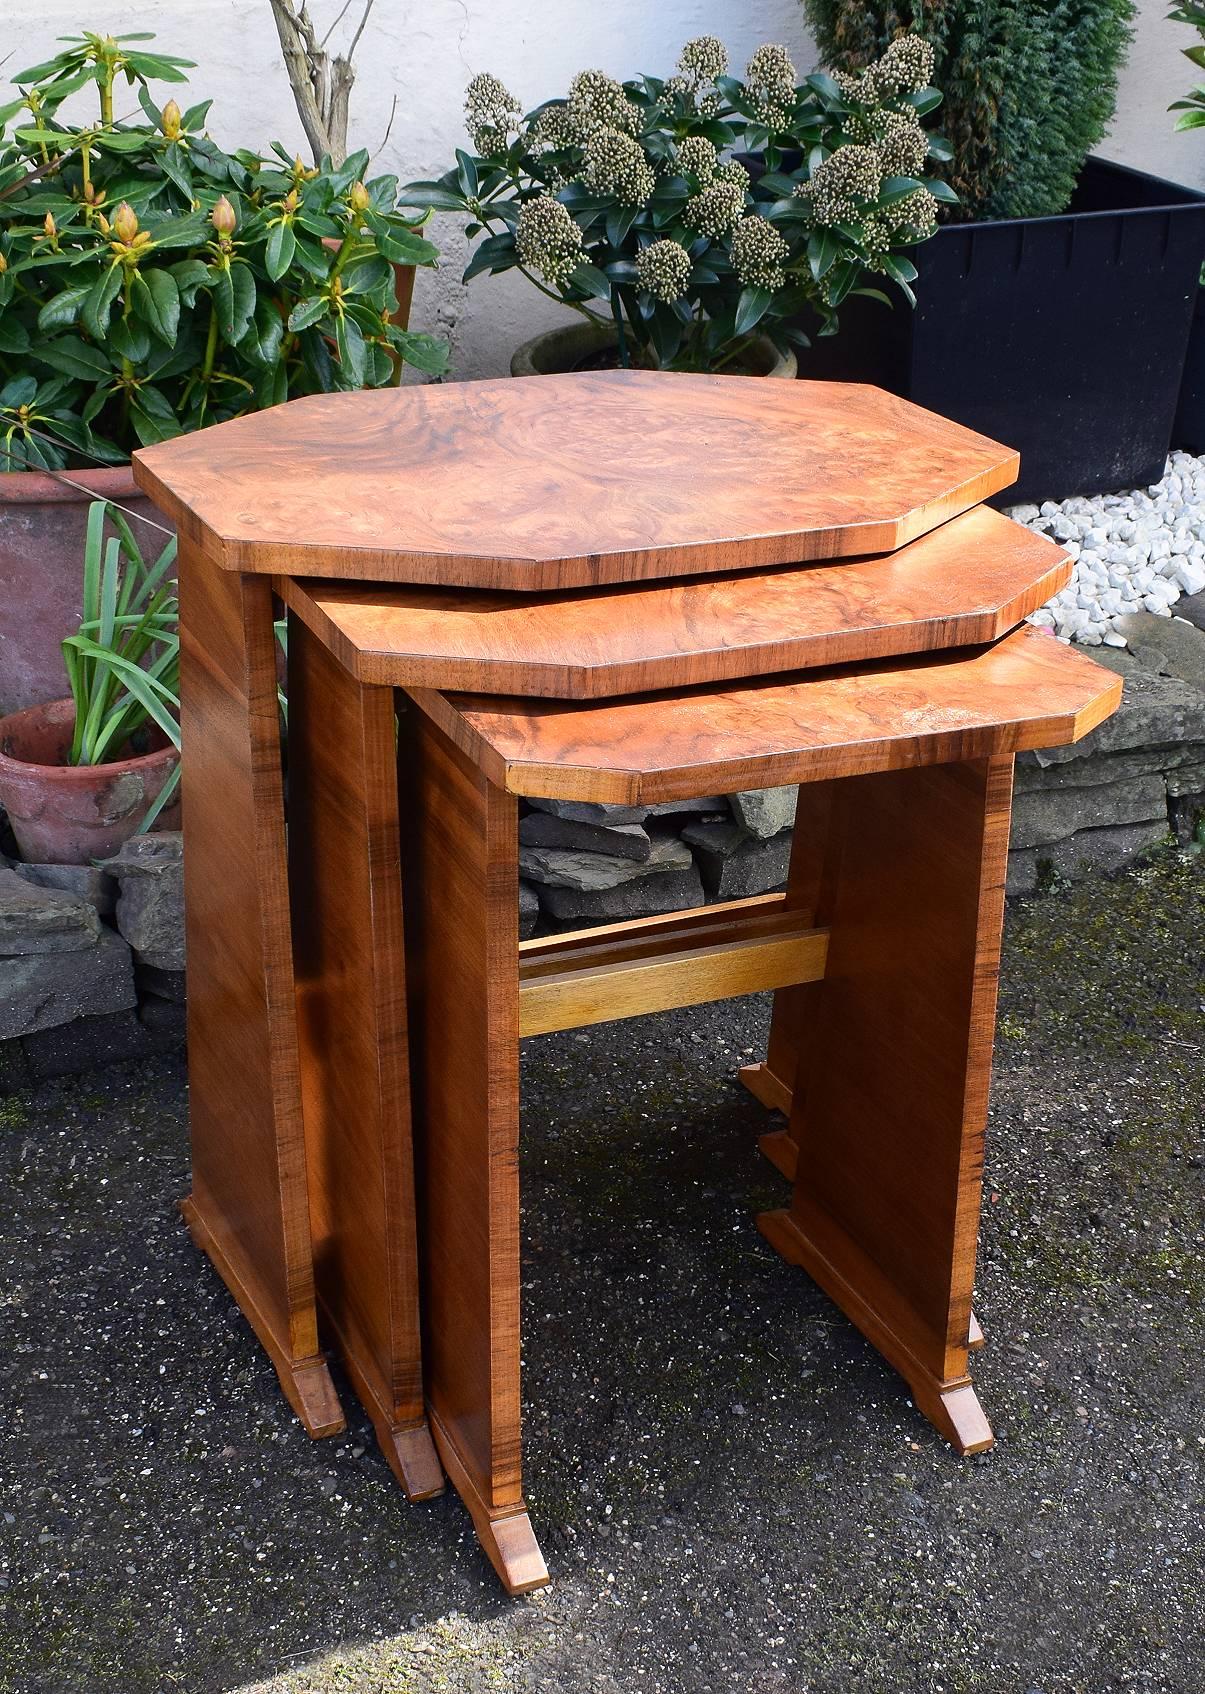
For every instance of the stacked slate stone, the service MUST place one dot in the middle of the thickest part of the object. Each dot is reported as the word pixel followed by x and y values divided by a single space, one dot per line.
pixel 1137 780
pixel 582 863
pixel 91 959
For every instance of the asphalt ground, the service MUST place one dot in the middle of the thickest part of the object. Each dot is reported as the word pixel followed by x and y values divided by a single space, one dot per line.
pixel 729 1484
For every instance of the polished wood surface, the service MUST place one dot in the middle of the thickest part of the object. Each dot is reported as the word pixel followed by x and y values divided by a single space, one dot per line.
pixel 564 481
pixel 460 882
pixel 1027 690
pixel 889 1120
pixel 248 1208
pixel 964 583
pixel 345 885
pixel 810 884
pixel 709 956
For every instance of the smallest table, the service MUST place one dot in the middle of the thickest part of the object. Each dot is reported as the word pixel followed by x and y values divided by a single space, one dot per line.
pixel 892 917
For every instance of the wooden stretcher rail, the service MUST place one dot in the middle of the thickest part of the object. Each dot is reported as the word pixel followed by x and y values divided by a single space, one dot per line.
pixel 710 955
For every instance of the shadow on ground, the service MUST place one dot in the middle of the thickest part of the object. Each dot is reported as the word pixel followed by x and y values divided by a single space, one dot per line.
pixel 730 1486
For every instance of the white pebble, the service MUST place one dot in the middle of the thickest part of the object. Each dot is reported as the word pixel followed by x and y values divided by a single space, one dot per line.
pixel 1135 548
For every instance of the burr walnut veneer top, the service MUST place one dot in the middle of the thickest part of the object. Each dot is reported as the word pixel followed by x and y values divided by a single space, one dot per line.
pixel 1027 690
pixel 966 582
pixel 568 481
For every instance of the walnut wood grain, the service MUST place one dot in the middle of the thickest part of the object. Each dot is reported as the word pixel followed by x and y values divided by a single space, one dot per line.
pixel 248 1208
pixel 565 481
pixel 460 882
pixel 963 584
pixel 601 981
pixel 345 886
pixel 889 1126
pixel 1027 690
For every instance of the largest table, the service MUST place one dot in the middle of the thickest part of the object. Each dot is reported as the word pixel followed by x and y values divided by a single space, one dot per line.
pixel 579 484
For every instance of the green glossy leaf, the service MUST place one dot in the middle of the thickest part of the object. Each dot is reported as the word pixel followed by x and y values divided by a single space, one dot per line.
pixel 279 249
pixel 398 244
pixel 308 312
pixel 14 337
pixel 129 338
pixel 425 352
pixel 751 308
pixel 591 282
pixel 63 310
pixel 74 357
pixel 233 295
pixel 156 299
pixel 264 336
pixel 823 249
pixel 349 343
pixel 432 194
pixel 174 163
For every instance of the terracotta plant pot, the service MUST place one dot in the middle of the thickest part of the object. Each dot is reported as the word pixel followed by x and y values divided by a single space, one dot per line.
pixel 571 346
pixel 42 524
pixel 65 814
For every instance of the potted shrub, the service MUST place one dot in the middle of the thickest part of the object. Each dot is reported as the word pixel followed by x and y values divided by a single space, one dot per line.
pixel 79 776
pixel 627 203
pixel 151 283
pixel 1189 430
pixel 1054 303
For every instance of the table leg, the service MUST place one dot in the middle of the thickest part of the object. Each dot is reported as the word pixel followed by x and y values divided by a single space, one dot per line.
pixel 460 883
pixel 885 1208
pixel 345 883
pixel 248 1208
pixel 793 1020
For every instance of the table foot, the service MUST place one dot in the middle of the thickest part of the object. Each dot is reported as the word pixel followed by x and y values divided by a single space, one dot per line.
pixel 306 1382
pixel 975 1336
pixel 882 1314
pixel 955 1413
pixel 764 1085
pixel 779 1146
pixel 505 1533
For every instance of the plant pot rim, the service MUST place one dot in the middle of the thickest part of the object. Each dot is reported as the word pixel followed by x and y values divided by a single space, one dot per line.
pixel 586 338
pixel 28 488
pixel 68 774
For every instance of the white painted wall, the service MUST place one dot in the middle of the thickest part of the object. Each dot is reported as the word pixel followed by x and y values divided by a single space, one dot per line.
pixel 424 51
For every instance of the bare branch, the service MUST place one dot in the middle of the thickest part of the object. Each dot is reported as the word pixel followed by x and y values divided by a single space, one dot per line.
pixel 355 40
pixel 321 84
pixel 380 148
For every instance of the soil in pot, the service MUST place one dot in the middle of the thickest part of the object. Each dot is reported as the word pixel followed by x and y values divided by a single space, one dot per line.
pixel 594 347
pixel 65 814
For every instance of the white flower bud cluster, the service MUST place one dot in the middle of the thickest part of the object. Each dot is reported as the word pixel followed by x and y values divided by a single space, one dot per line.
pixel 732 171
pixel 770 79
pixel 905 68
pixel 914 215
pixel 697 157
pixel 662 269
pixel 759 253
pixel 597 101
pixel 491 114
pixel 547 239
pixel 552 129
pixel 715 210
pixel 702 61
pixel 902 144
pixel 614 163
pixel 841 183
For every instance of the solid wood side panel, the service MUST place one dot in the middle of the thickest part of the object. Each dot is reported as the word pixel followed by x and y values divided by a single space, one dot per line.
pixel 965 583
pixel 1028 690
pixel 890 1127
pixel 249 1204
pixel 345 880
pixel 597 986
pixel 588 477
pixel 793 1019
pixel 460 865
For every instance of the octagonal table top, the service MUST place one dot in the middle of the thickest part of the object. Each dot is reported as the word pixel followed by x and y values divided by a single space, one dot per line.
pixel 568 481
pixel 966 582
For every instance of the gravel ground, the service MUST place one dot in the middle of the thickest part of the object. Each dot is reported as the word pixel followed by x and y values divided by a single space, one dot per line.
pixel 1134 551
pixel 729 1484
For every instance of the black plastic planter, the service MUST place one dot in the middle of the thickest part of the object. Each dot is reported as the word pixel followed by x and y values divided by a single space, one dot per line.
pixel 1064 337
pixel 1189 429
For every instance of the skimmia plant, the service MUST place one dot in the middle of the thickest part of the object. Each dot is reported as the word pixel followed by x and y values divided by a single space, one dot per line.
pixel 1192 107
pixel 630 202
pixel 151 283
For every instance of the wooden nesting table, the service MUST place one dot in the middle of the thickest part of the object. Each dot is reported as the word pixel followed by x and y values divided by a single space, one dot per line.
pixel 623 587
